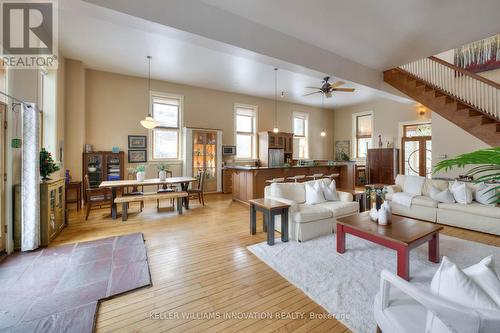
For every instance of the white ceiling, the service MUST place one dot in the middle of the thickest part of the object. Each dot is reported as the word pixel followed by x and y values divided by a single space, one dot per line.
pixel 111 41
pixel 380 34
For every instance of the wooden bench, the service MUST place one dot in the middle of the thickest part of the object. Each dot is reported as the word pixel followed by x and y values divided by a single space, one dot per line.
pixel 151 196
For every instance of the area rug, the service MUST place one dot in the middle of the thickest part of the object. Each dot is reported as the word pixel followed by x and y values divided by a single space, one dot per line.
pixel 57 289
pixel 346 284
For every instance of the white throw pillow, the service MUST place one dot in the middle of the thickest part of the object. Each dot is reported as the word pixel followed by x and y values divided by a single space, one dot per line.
pixel 462 193
pixel 314 193
pixel 413 185
pixel 452 284
pixel 330 191
pixel 484 195
pixel 442 196
pixel 485 276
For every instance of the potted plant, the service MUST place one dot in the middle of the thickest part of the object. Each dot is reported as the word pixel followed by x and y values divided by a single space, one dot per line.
pixel 486 168
pixel 162 171
pixel 47 164
pixel 140 173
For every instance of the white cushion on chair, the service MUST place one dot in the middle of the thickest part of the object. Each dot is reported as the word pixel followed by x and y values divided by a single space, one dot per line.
pixel 485 276
pixel 452 284
pixel 314 193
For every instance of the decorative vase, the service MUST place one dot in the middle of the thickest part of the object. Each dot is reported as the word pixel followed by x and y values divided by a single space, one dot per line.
pixel 374 214
pixel 140 176
pixel 388 208
pixel 383 218
pixel 163 175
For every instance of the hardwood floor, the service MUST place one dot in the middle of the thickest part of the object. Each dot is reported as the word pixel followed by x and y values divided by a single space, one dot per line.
pixel 200 266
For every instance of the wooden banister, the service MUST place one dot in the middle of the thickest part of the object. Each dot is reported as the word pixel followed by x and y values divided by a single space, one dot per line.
pixel 465 72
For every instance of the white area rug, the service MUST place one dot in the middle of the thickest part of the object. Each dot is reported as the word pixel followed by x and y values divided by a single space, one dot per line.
pixel 346 284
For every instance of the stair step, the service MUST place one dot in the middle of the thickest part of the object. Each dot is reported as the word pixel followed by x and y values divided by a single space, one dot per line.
pixel 474 113
pixel 487 120
pixel 438 94
pixel 419 84
pixel 461 106
pixel 428 88
pixel 448 100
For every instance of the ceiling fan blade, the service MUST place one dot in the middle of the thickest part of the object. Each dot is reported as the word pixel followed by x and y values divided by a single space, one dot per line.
pixel 317 88
pixel 337 84
pixel 344 89
pixel 312 93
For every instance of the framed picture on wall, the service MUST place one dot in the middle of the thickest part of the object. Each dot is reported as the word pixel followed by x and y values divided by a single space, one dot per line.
pixel 137 142
pixel 137 156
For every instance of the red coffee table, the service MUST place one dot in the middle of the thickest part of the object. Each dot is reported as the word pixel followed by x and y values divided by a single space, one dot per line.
pixel 402 235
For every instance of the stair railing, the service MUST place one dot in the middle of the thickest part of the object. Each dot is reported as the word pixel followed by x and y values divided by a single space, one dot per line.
pixel 470 88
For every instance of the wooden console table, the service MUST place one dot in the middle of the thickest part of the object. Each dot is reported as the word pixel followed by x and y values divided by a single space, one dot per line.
pixel 269 208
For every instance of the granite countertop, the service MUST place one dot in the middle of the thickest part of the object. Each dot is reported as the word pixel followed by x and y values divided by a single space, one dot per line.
pixel 242 167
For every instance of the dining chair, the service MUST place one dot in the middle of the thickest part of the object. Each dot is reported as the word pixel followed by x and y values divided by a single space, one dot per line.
pixel 198 192
pixel 165 188
pixel 96 197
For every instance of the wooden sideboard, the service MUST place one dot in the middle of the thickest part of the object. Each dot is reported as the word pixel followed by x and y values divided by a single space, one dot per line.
pixel 382 165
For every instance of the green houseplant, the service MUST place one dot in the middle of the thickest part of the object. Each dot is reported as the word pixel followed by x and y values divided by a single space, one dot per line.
pixel 162 171
pixel 486 168
pixel 140 173
pixel 47 164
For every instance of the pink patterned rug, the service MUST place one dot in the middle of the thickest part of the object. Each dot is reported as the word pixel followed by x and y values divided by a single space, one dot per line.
pixel 58 289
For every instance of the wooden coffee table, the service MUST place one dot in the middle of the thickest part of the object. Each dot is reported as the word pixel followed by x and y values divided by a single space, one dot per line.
pixel 402 235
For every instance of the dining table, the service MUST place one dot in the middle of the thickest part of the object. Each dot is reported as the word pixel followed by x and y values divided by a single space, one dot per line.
pixel 114 185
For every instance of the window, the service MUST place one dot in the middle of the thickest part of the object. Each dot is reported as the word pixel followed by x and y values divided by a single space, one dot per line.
pixel 166 110
pixel 300 133
pixel 363 133
pixel 246 131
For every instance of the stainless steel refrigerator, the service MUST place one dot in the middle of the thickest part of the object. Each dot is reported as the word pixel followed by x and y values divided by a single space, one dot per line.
pixel 276 157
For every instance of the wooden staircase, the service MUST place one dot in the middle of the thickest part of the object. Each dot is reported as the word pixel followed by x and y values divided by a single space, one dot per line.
pixel 464 98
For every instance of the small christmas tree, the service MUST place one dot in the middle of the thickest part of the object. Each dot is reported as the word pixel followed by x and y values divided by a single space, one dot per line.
pixel 47 164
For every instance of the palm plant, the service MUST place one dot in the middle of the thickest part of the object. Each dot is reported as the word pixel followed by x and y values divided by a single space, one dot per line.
pixel 486 169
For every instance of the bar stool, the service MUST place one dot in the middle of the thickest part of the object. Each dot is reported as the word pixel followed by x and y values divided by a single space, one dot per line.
pixel 275 180
pixel 332 176
pixel 296 179
pixel 315 176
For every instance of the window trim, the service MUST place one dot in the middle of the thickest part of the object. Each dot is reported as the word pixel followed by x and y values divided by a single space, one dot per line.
pixel 355 137
pixel 305 117
pixel 254 109
pixel 180 98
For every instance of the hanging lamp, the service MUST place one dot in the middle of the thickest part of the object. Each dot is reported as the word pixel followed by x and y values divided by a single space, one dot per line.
pixel 149 121
pixel 323 132
pixel 276 129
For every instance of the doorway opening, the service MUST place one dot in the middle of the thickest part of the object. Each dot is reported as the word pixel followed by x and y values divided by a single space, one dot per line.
pixel 416 148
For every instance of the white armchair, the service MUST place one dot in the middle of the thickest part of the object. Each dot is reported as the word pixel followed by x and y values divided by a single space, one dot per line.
pixel 404 310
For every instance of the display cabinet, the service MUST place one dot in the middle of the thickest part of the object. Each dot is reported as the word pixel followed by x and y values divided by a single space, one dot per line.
pixel 101 166
pixel 52 209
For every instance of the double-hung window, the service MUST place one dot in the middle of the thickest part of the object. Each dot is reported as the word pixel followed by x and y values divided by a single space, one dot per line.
pixel 246 131
pixel 363 133
pixel 165 138
pixel 300 134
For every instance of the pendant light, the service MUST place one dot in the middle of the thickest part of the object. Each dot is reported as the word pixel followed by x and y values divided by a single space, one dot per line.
pixel 323 132
pixel 276 129
pixel 149 121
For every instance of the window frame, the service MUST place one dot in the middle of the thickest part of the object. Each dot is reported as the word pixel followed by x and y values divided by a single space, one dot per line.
pixel 252 109
pixel 356 136
pixel 304 116
pixel 178 129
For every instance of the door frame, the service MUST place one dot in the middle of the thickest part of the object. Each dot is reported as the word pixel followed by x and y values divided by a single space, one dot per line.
pixel 422 153
pixel 3 146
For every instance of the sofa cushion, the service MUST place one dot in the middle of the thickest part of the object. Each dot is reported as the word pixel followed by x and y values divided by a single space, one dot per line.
pixel 485 193
pixel 462 192
pixel 314 193
pixel 308 213
pixel 440 184
pixel 291 191
pixel 421 200
pixel 340 208
pixel 442 196
pixel 473 208
pixel 414 184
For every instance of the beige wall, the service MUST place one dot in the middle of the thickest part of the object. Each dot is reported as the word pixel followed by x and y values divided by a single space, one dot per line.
pixel 74 120
pixel 114 104
pixel 387 116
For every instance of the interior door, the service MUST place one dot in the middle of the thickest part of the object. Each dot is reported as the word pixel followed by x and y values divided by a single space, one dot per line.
pixel 3 147
pixel 417 156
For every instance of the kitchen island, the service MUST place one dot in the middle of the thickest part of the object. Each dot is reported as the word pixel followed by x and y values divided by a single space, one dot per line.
pixel 249 182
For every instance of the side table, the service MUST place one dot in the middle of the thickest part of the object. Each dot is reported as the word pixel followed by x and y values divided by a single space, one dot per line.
pixel 76 187
pixel 269 209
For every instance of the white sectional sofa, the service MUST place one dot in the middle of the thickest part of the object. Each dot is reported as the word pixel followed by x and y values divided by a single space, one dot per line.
pixel 309 221
pixel 474 216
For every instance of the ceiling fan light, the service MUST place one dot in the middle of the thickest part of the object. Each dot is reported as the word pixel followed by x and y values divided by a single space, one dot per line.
pixel 276 130
pixel 323 133
pixel 149 123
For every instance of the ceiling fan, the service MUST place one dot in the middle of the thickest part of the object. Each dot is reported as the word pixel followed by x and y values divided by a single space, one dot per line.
pixel 327 88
